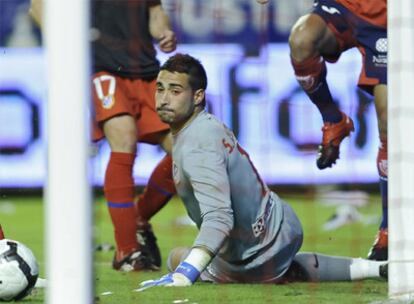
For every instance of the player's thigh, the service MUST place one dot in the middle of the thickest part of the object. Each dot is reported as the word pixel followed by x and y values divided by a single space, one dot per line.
pixel 311 36
pixel 380 97
pixel 121 133
pixel 372 44
pixel 165 141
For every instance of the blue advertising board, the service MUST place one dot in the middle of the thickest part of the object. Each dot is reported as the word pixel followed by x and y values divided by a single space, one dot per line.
pixel 256 96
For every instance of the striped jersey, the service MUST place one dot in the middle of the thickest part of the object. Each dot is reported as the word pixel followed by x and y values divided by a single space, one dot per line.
pixel 122 41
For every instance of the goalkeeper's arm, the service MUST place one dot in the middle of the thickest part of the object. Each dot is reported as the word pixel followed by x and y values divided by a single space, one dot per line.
pixel 191 267
pixel 187 271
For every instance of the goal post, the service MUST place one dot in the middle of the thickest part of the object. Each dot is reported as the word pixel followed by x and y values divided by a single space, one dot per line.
pixel 401 148
pixel 68 198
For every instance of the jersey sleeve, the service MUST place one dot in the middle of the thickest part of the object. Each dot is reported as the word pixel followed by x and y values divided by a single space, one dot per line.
pixel 205 168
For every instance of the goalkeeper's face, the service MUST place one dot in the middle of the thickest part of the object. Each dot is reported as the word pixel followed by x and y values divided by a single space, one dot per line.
pixel 176 102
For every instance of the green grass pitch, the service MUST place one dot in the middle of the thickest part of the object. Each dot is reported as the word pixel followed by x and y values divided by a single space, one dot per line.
pixel 22 219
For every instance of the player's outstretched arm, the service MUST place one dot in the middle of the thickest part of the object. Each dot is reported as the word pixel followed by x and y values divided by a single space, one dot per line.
pixel 186 273
pixel 160 29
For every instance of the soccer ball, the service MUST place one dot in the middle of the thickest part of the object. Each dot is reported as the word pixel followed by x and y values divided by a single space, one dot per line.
pixel 18 270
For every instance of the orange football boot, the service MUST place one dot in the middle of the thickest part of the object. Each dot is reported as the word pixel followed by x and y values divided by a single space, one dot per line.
pixel 333 134
pixel 379 250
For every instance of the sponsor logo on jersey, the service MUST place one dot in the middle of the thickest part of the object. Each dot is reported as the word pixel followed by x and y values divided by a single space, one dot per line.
pixel 381 45
pixel 330 10
pixel 380 61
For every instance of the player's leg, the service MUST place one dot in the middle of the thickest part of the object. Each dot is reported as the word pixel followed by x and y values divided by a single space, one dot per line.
pixel 115 120
pixel 379 250
pixel 311 41
pixel 315 267
pixel 160 187
pixel 120 131
pixel 372 43
pixel 158 191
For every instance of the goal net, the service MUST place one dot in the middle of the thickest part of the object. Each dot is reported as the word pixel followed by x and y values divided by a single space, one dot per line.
pixel 401 148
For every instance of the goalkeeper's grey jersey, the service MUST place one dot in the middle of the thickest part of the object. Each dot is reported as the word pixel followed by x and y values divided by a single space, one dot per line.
pixel 238 217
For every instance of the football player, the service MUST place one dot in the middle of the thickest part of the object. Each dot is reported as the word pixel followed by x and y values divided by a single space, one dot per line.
pixel 124 72
pixel 333 27
pixel 247 233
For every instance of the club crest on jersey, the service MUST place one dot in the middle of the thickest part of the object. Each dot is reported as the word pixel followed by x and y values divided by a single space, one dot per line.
pixel 108 101
pixel 259 226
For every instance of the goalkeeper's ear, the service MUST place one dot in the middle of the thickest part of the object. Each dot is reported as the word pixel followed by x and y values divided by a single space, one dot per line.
pixel 35 11
pixel 176 256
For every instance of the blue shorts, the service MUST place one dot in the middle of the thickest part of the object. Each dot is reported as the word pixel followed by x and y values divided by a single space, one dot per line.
pixel 353 31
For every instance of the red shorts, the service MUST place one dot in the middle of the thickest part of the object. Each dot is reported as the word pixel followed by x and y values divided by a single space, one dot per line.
pixel 114 95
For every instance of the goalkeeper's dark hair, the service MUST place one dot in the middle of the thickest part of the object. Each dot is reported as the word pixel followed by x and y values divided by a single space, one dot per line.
pixel 184 63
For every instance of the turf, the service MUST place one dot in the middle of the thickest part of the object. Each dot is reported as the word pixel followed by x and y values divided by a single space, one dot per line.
pixel 22 219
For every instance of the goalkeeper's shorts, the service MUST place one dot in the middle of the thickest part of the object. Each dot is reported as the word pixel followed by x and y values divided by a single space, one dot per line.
pixel 270 265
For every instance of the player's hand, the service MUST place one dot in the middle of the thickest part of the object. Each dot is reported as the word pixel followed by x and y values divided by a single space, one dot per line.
pixel 262 1
pixel 172 279
pixel 184 275
pixel 168 41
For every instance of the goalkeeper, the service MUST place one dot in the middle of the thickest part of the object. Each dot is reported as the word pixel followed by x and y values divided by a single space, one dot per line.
pixel 247 234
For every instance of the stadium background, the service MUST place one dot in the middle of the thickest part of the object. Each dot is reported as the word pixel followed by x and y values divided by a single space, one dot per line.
pixel 251 88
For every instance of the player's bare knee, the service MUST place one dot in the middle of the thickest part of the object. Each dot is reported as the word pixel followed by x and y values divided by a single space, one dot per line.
pixel 121 134
pixel 302 46
pixel 123 141
pixel 304 37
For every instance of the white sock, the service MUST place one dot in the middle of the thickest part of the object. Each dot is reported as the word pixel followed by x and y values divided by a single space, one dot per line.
pixel 364 269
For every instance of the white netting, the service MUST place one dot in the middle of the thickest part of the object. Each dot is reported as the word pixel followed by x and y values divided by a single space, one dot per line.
pixel 401 147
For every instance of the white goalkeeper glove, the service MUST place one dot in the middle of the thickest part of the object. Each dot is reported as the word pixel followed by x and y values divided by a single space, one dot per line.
pixel 185 274
pixel 174 279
